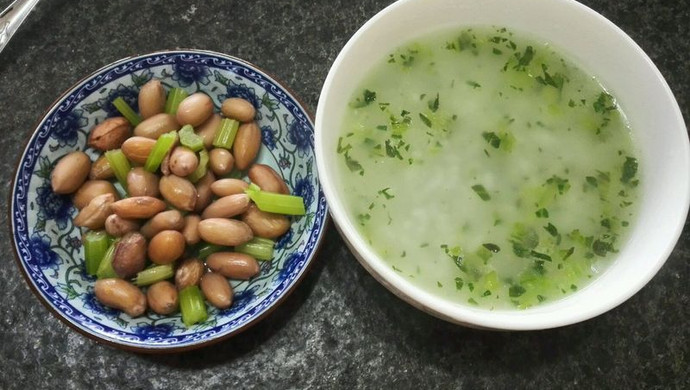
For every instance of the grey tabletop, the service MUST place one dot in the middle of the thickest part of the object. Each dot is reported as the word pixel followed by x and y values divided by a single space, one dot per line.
pixel 339 328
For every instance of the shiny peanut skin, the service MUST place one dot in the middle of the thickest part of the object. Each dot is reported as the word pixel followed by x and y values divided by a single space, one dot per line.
pixel 166 247
pixel 189 273
pixel 208 129
pixel 138 207
pixel 195 109
pixel 156 125
pixel 224 231
pixel 120 294
pixel 216 290
pixel 225 187
pixel 137 149
pixel 93 215
pixel 179 192
pixel 227 207
pixel 247 144
pixel 239 109
pixel 141 182
pixel 267 179
pixel 110 134
pixel 91 189
pixel 233 265
pixel 183 161
pixel 162 298
pixel 191 229
pixel 117 226
pixel 151 99
pixel 100 169
pixel 130 255
pixel 70 172
pixel 165 220
pixel 221 161
pixel 266 225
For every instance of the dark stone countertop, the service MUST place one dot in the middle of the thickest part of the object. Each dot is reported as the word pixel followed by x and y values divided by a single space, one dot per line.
pixel 340 328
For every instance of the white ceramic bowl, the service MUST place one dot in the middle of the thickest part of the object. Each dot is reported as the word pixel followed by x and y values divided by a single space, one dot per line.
pixel 596 45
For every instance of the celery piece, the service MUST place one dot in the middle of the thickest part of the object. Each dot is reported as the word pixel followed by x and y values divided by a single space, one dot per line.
pixel 190 139
pixel 192 306
pixel 201 169
pixel 272 202
pixel 126 111
pixel 225 135
pixel 257 247
pixel 119 164
pixel 162 146
pixel 208 249
pixel 175 96
pixel 95 246
pixel 154 274
pixel 105 268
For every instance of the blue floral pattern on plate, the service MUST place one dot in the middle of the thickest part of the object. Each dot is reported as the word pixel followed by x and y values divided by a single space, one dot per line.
pixel 48 245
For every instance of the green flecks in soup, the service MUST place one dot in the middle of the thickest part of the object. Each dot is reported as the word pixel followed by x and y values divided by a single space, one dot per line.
pixel 488 169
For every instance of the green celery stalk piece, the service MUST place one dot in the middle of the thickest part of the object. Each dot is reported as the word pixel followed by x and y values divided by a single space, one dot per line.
pixel 162 146
pixel 190 139
pixel 271 202
pixel 209 249
pixel 225 135
pixel 201 169
pixel 175 96
pixel 126 111
pixel 154 274
pixel 96 245
pixel 119 164
pixel 105 268
pixel 192 306
pixel 257 247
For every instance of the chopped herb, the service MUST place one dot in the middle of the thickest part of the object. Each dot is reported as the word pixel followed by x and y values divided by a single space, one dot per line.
pixel 492 247
pixel 433 105
pixel 516 290
pixel 382 127
pixel 604 103
pixel 385 193
pixel 470 286
pixel 496 51
pixel 481 191
pixel 606 223
pixel 573 287
pixel 472 301
pixel 459 283
pixel 629 169
pixel 383 106
pixel 561 184
pixel 353 165
pixel 425 119
pixel 542 213
pixel 551 229
pixel 363 218
pixel 492 139
pixel 539 255
pixel 473 84
pixel 525 58
pixel 555 80
pixel 367 98
pixel 455 253
pixel 601 248
pixel 396 268
pixel 592 181
pixel 392 151
pixel 571 103
pixel 439 284
pixel 524 240
pixel 486 293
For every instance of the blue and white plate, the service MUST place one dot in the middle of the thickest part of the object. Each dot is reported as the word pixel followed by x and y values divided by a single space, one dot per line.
pixel 48 245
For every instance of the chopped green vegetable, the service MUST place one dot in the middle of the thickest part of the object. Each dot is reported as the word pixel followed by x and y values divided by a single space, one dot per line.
pixel 192 306
pixel 119 164
pixel 629 169
pixel 201 169
pixel 163 145
pixel 190 139
pixel 208 249
pixel 105 268
pixel 126 111
pixel 225 135
pixel 175 97
pixel 96 245
pixel 154 274
pixel 276 203
pixel 257 247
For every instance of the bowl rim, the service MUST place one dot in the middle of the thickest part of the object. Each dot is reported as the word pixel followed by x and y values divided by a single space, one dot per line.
pixel 420 298
pixel 164 348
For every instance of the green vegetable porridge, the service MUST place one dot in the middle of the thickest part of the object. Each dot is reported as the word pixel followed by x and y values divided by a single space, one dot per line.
pixel 488 169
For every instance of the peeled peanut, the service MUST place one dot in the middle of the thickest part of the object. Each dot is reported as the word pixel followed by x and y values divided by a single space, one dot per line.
pixel 137 149
pixel 266 225
pixel 141 182
pixel 70 172
pixel 183 161
pixel 179 192
pixel 100 169
pixel 165 220
pixel 224 231
pixel 246 145
pixel 166 247
pixel 217 290
pixel 156 126
pixel 120 294
pixel 189 273
pixel 91 189
pixel 267 179
pixel 203 191
pixel 195 109
pixel 207 130
pixel 110 133
pixel 225 187
pixel 233 265
pixel 151 99
pixel 227 207
pixel 190 230
pixel 130 255
pixel 220 161
pixel 138 207
pixel 94 214
pixel 238 108
pixel 162 297
pixel 117 226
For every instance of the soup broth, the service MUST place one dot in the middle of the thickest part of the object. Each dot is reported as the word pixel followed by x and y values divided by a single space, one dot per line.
pixel 488 169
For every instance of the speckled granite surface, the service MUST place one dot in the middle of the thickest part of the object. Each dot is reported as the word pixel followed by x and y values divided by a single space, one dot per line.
pixel 340 328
